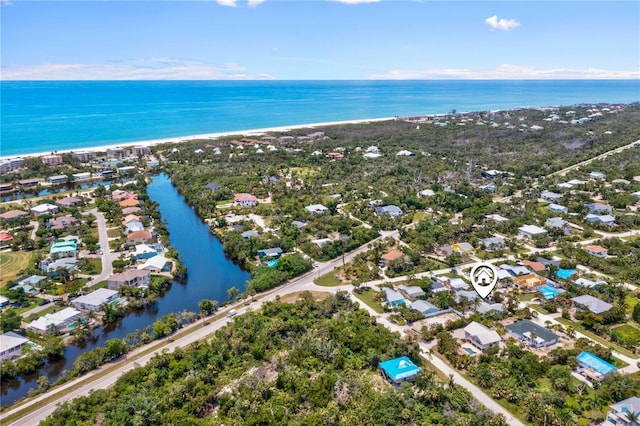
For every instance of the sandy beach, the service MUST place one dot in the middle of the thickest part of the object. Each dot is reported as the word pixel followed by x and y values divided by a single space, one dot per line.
pixel 212 136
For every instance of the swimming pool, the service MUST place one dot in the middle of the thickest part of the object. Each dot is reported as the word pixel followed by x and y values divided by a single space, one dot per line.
pixel 272 263
pixel 565 274
pixel 469 351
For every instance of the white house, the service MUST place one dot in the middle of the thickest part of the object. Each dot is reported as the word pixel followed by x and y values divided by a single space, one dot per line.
pixel 94 300
pixel 532 231
pixel 603 219
pixel 245 200
pixel 11 345
pixel 42 209
pixel 316 209
pixel 480 336
pixel 618 414
pixel 156 264
pixel 56 321
pixel 558 208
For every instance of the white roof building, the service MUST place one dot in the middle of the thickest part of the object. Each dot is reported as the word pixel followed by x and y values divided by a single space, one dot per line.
pixel 480 336
pixel 532 231
pixel 316 208
pixel 57 320
pixel 45 208
pixel 156 264
pixel 11 345
pixel 94 300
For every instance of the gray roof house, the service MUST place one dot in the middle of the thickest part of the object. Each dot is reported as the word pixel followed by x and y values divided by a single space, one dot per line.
pixel 550 196
pixel 391 210
pixel 604 219
pixel 411 292
pixel 532 334
pixel 493 243
pixel 424 307
pixel 599 208
pixel 393 298
pixel 480 336
pixel 250 234
pixel 591 303
pixel 316 209
pixel 486 307
pixel 618 414
pixel 270 252
pixel 558 208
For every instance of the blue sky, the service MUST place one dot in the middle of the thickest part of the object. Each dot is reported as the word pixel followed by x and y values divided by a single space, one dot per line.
pixel 276 39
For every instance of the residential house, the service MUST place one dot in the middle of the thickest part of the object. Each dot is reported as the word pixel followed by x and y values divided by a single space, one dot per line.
pixel 119 195
pixel 599 208
pixel 437 287
pixel 457 284
pixel 143 251
pixel 139 237
pixel 245 200
pixel 275 252
pixel 551 197
pixel 129 277
pixel 514 271
pixel 316 209
pixel 532 231
pixel 532 334
pixel 94 300
pixel 530 282
pixel 391 257
pixel 558 223
pixel 4 301
pixel 598 251
pixel 605 219
pixel 424 307
pixel 58 179
pixel 334 155
pixel 493 243
pixel 51 266
pixel 156 264
pixel 299 224
pixel 587 283
pixel 497 218
pixel 399 370
pixel 56 321
pixel 213 186
pixel 393 298
pixel 480 336
pixel 593 367
pixel 134 225
pixel 534 266
pixel 393 211
pixel 490 174
pixel 79 177
pixel 64 249
pixel 13 214
pixel 28 183
pixel 126 169
pixel 69 201
pixel 247 235
pixel 557 208
pixel 462 248
pixel 412 292
pixel 62 222
pixel 590 303
pixel 618 414
pixel 596 175
pixel 11 345
pixel 469 295
pixel 129 202
pixel 42 209
pixel 5 239
pixel 321 242
pixel 426 193
pixel 486 307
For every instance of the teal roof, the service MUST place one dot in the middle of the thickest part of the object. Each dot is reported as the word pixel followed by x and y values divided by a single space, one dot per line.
pixel 63 247
pixel 589 360
pixel 400 368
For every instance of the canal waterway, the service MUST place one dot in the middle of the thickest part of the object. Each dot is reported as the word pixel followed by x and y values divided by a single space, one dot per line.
pixel 210 275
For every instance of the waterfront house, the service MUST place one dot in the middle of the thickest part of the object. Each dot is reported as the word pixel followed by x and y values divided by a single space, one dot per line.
pixel 4 301
pixel 129 277
pixel 134 225
pixel 590 303
pixel 28 183
pixel 42 209
pixel 56 321
pixel 399 370
pixel 143 251
pixel 618 414
pixel 245 200
pixel 157 264
pixel 79 177
pixel 480 336
pixel 275 252
pixel 138 237
pixel 58 179
pixel 119 195
pixel 11 345
pixel 532 334
pixel 598 251
pixel 129 202
pixel 94 300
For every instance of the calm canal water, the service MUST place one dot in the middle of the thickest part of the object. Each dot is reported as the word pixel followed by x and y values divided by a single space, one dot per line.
pixel 211 274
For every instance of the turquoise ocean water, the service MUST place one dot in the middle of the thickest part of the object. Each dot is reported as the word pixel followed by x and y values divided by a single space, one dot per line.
pixel 43 116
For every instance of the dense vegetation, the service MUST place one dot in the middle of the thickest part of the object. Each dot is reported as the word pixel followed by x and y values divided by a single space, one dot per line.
pixel 298 364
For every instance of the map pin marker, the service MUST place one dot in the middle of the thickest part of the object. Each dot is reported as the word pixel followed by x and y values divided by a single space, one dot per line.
pixel 484 278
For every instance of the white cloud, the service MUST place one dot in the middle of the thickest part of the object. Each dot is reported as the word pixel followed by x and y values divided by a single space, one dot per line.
pixel 254 3
pixel 501 24
pixel 228 3
pixel 155 69
pixel 505 72
pixel 356 1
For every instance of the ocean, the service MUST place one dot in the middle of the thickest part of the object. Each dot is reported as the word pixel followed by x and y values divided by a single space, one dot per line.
pixel 43 116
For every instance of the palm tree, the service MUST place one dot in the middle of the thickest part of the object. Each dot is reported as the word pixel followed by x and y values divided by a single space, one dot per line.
pixel 632 417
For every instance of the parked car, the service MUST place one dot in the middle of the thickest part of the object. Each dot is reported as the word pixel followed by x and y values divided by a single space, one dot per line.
pixel 232 313
pixel 44 302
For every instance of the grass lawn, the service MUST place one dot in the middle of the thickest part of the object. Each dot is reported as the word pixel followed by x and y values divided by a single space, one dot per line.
pixel 629 333
pixel 418 216
pixel 367 297
pixel 114 233
pixel 49 310
pixel 631 302
pixel 328 280
pixel 11 263
pixel 94 267
pixel 292 297
pixel 101 284
pixel 595 337
pixel 528 297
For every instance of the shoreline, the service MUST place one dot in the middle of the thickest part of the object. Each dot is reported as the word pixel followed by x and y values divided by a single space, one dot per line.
pixel 212 136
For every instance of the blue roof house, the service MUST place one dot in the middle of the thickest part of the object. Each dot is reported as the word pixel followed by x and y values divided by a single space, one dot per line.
pixel 64 249
pixel 594 367
pixel 399 370
pixel 394 298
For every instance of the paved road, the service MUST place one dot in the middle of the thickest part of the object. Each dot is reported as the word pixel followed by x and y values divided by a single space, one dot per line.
pixel 107 256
